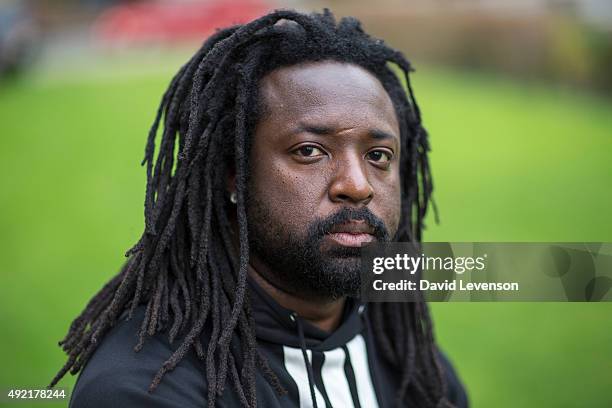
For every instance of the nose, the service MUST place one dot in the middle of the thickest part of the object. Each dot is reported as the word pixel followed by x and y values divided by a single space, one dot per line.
pixel 350 183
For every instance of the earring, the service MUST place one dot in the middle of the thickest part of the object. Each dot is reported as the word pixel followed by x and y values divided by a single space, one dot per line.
pixel 233 198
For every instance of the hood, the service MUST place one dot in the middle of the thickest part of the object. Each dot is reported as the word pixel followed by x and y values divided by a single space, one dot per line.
pixel 278 325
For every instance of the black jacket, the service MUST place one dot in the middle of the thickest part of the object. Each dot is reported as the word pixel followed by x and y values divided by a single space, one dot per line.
pixel 345 368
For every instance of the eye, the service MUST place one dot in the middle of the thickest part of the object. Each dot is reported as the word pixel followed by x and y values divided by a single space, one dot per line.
pixel 308 151
pixel 379 156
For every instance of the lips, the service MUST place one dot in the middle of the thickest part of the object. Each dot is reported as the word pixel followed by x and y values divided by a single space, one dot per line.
pixel 352 234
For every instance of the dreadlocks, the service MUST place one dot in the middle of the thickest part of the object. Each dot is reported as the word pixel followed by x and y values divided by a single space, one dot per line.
pixel 185 268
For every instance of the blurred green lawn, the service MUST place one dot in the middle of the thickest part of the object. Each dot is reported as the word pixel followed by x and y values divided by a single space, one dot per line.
pixel 511 162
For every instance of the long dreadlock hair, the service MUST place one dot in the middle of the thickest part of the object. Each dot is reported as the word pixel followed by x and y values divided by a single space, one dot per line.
pixel 185 268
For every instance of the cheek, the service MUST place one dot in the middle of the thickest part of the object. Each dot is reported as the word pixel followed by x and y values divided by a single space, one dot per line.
pixel 394 213
pixel 390 204
pixel 290 197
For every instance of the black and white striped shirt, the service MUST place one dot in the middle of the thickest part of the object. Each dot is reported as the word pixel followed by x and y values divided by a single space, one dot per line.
pixel 341 369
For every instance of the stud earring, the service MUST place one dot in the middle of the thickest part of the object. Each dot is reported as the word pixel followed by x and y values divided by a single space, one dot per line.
pixel 233 198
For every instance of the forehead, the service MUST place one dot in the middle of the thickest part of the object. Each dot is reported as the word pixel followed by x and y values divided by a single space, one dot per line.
pixel 342 94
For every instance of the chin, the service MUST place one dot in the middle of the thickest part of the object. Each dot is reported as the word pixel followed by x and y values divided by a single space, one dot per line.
pixel 339 277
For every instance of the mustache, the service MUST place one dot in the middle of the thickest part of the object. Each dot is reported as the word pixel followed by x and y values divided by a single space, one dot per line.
pixel 320 228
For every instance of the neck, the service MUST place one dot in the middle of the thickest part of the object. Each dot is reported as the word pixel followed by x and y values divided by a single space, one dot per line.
pixel 324 314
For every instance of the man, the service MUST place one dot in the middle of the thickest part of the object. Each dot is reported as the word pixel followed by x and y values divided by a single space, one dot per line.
pixel 288 143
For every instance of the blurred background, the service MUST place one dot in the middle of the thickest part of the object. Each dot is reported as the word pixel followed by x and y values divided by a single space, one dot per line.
pixel 517 96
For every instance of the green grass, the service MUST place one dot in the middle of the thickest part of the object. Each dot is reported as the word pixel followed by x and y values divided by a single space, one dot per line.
pixel 511 162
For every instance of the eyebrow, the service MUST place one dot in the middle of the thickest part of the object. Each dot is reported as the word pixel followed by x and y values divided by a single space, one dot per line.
pixel 381 135
pixel 326 130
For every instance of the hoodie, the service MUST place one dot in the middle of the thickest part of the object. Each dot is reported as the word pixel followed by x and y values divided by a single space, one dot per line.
pixel 318 369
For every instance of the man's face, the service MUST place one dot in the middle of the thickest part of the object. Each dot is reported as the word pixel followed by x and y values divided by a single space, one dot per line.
pixel 324 177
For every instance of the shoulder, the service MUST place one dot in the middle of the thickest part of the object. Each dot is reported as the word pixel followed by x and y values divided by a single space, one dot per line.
pixel 456 391
pixel 116 375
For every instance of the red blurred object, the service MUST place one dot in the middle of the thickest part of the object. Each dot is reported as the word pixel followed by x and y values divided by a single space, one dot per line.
pixel 172 21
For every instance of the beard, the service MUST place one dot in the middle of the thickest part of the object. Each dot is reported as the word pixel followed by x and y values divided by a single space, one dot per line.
pixel 298 263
